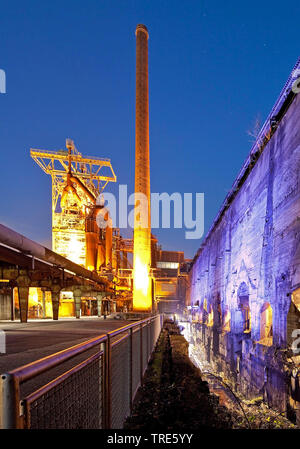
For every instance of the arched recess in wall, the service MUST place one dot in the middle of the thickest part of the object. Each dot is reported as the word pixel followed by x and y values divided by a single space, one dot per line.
pixel 293 316
pixel 266 325
pixel 244 307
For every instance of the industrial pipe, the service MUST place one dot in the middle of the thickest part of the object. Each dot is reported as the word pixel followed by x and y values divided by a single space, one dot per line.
pixel 84 188
pixel 93 246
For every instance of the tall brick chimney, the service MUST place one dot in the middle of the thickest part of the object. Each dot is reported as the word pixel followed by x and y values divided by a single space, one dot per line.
pixel 142 296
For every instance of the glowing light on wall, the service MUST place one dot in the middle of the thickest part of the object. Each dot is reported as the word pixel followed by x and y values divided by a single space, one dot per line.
pixel 48 305
pixel 210 318
pixel 39 304
pixel 75 249
pixel 266 325
pixel 33 297
pixel 226 325
pixel 296 298
pixel 66 304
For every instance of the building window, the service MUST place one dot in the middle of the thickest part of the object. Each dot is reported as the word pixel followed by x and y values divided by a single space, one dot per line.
pixel 243 304
pixel 169 265
pixel 266 325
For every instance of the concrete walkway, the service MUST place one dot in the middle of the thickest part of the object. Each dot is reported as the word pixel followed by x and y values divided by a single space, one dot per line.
pixel 26 342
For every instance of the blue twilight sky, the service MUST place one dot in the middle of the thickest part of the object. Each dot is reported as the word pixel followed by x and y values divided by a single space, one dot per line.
pixel 70 67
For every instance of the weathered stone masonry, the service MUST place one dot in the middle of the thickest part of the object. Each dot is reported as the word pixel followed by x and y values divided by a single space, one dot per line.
pixel 245 278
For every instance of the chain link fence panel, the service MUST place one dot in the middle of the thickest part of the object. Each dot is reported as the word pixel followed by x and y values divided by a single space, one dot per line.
pixel 120 381
pixel 73 401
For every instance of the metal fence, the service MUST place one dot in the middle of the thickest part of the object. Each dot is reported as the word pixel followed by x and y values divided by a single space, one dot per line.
pixel 97 393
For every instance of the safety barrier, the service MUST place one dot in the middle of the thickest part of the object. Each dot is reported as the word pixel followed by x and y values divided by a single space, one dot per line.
pixel 97 393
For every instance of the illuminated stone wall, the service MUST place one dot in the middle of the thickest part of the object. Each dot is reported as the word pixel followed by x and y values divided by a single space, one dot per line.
pixel 252 259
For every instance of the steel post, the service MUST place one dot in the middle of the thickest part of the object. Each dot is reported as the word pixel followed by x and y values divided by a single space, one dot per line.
pixel 130 367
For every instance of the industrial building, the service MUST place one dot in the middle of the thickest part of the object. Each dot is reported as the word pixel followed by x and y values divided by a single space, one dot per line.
pixel 77 206
pixel 133 274
pixel 77 183
pixel 170 281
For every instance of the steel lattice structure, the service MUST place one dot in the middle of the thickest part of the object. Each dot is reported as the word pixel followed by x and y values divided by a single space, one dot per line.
pixel 68 223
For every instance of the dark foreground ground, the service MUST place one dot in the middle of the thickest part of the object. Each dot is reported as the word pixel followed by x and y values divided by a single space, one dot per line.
pixel 175 396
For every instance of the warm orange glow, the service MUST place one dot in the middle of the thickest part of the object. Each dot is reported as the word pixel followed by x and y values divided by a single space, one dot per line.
pixel 142 294
pixel 141 276
pixel 142 299
pixel 210 318
pixel 66 305
pixel 75 249
pixel 296 298
pixel 266 325
pixel 33 298
pixel 70 245
pixel 39 306
pixel 226 325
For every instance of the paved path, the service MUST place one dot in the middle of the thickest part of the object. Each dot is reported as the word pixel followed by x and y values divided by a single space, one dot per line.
pixel 36 339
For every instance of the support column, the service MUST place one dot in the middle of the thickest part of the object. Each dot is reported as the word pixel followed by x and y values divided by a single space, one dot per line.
pixel 14 294
pixel 44 301
pixel 55 295
pixel 55 304
pixel 77 299
pixel 23 301
pixel 23 282
pixel 100 295
pixel 12 304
